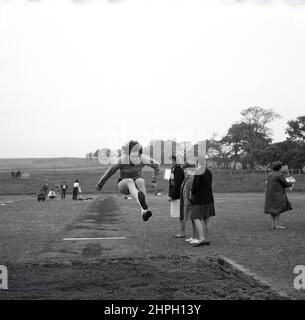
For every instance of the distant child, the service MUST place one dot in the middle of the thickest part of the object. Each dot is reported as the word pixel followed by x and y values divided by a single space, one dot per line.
pixel 45 189
pixel 64 187
pixel 52 194
pixel 57 190
pixel 41 196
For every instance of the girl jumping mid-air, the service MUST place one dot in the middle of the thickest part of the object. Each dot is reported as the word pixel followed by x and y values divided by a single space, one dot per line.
pixel 130 181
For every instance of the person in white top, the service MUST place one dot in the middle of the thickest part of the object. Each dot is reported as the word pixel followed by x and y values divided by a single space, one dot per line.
pixel 76 190
pixel 52 194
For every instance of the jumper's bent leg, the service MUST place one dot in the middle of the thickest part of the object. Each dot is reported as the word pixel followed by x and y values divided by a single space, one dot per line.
pixel 128 186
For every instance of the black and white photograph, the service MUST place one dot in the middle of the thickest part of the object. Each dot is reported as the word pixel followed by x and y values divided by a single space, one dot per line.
pixel 152 153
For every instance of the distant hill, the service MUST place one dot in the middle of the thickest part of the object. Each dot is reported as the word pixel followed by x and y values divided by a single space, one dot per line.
pixel 46 163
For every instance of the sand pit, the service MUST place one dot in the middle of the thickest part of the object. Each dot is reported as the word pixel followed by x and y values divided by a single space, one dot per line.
pixel 170 277
pixel 104 205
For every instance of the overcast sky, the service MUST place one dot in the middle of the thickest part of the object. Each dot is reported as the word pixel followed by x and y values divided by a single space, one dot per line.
pixel 80 75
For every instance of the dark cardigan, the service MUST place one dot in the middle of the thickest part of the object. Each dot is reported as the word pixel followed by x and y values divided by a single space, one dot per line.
pixel 175 184
pixel 201 191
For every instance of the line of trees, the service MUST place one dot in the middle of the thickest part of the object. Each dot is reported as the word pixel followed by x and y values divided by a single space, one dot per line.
pixel 247 144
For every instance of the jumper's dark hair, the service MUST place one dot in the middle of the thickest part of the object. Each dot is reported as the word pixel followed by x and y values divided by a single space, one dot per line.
pixel 133 146
pixel 277 165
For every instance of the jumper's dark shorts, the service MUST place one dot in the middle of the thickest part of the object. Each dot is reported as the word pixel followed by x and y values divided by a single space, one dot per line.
pixel 124 189
pixel 134 179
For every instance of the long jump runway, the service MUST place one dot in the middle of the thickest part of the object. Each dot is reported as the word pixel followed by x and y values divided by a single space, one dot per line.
pixel 99 231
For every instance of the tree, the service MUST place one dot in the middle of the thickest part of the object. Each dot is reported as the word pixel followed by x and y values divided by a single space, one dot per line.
pixel 251 134
pixel 256 131
pixel 296 129
pixel 234 139
pixel 289 152
pixel 218 152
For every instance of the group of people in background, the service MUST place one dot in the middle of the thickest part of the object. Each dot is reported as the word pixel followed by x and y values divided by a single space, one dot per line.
pixel 16 175
pixel 58 191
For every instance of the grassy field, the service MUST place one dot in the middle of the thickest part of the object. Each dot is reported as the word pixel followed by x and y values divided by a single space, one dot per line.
pixel 32 246
pixel 42 265
pixel 90 176
pixel 45 163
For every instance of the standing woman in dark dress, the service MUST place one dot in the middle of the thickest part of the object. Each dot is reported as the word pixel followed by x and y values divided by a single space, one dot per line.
pixel 276 201
pixel 175 182
pixel 202 202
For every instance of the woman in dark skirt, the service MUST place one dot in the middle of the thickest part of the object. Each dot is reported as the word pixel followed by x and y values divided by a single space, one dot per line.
pixel 276 201
pixel 202 202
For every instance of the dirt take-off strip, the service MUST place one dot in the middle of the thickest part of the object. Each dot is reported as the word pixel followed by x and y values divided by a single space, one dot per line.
pixel 99 231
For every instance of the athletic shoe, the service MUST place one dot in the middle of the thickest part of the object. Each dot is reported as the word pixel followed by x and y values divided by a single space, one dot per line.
pixel 141 197
pixel 146 215
pixel 193 241
pixel 201 243
pixel 189 239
